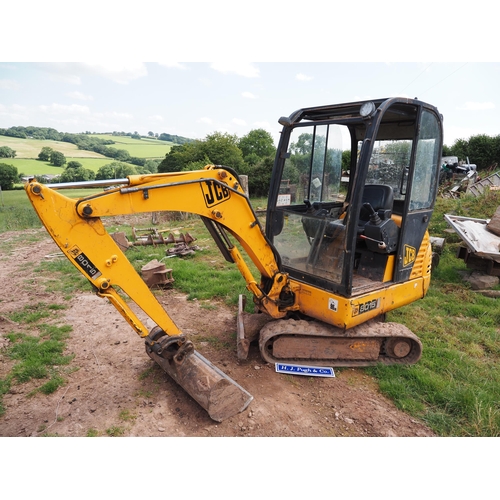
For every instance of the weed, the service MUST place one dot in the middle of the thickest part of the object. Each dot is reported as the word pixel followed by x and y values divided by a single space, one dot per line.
pixel 146 373
pixel 144 394
pixel 57 333
pixel 4 389
pixel 215 342
pixel 92 433
pixel 61 276
pixel 126 416
pixel 52 385
pixel 208 306
pixel 31 313
pixel 36 357
pixel 115 431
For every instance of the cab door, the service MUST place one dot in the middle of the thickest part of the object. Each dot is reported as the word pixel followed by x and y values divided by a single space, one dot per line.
pixel 421 185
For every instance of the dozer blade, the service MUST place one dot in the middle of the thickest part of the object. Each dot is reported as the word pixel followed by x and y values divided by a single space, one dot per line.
pixel 214 391
pixel 248 327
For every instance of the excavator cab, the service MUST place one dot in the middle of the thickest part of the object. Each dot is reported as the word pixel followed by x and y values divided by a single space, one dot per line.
pixel 352 193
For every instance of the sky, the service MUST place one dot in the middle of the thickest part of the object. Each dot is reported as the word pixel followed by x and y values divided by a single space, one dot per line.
pixel 194 99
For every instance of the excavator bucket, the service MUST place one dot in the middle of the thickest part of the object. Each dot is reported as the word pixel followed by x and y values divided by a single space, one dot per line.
pixel 211 388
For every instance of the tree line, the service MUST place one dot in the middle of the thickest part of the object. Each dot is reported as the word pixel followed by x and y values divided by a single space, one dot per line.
pixel 252 155
pixel 482 150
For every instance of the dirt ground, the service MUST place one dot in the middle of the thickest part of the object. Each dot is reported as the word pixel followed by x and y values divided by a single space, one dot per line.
pixel 116 389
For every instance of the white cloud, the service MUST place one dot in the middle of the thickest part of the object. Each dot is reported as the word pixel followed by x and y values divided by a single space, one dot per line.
pixel 59 109
pixel 453 133
pixel 206 120
pixel 239 121
pixel 61 72
pixel 115 115
pixel 174 65
pixel 248 70
pixel 118 72
pixel 9 85
pixel 264 125
pixel 303 78
pixel 13 114
pixel 248 95
pixel 477 106
pixel 156 118
pixel 80 96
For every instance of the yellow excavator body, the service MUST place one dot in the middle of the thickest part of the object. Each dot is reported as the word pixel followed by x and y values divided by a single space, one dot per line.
pixel 338 251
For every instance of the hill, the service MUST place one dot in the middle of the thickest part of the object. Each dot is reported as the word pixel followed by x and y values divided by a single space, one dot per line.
pixel 91 150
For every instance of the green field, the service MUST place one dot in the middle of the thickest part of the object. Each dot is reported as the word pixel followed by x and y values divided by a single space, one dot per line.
pixel 27 150
pixel 140 148
pixel 35 167
pixel 30 148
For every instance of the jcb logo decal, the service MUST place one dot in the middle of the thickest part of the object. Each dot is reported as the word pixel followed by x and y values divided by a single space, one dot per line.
pixel 214 193
pixel 409 256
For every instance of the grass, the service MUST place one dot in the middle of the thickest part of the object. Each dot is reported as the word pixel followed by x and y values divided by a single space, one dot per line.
pixel 140 148
pixel 454 388
pixel 115 431
pixel 37 355
pixel 60 275
pixel 16 212
pixel 127 416
pixel 30 148
pixel 27 151
pixel 32 167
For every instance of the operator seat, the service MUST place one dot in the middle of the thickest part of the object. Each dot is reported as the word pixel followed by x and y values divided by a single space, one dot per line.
pixel 381 198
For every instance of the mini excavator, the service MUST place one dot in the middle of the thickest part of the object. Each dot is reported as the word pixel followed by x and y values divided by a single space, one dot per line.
pixel 345 241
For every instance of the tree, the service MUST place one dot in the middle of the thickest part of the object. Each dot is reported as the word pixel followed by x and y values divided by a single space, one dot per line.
pixel 77 175
pixel 57 159
pixel 151 166
pixel 74 164
pixel 257 144
pixel 6 152
pixel 346 160
pixel 483 150
pixel 8 176
pixel 179 157
pixel 115 170
pixel 222 149
pixel 45 153
pixel 260 177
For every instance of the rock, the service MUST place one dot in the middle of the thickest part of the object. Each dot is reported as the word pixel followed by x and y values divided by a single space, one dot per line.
pixel 481 281
pixel 494 224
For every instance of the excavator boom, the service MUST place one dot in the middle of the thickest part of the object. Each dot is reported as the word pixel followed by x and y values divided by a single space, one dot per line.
pixel 76 227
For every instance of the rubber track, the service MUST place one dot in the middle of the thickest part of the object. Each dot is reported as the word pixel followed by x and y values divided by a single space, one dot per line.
pixel 374 328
